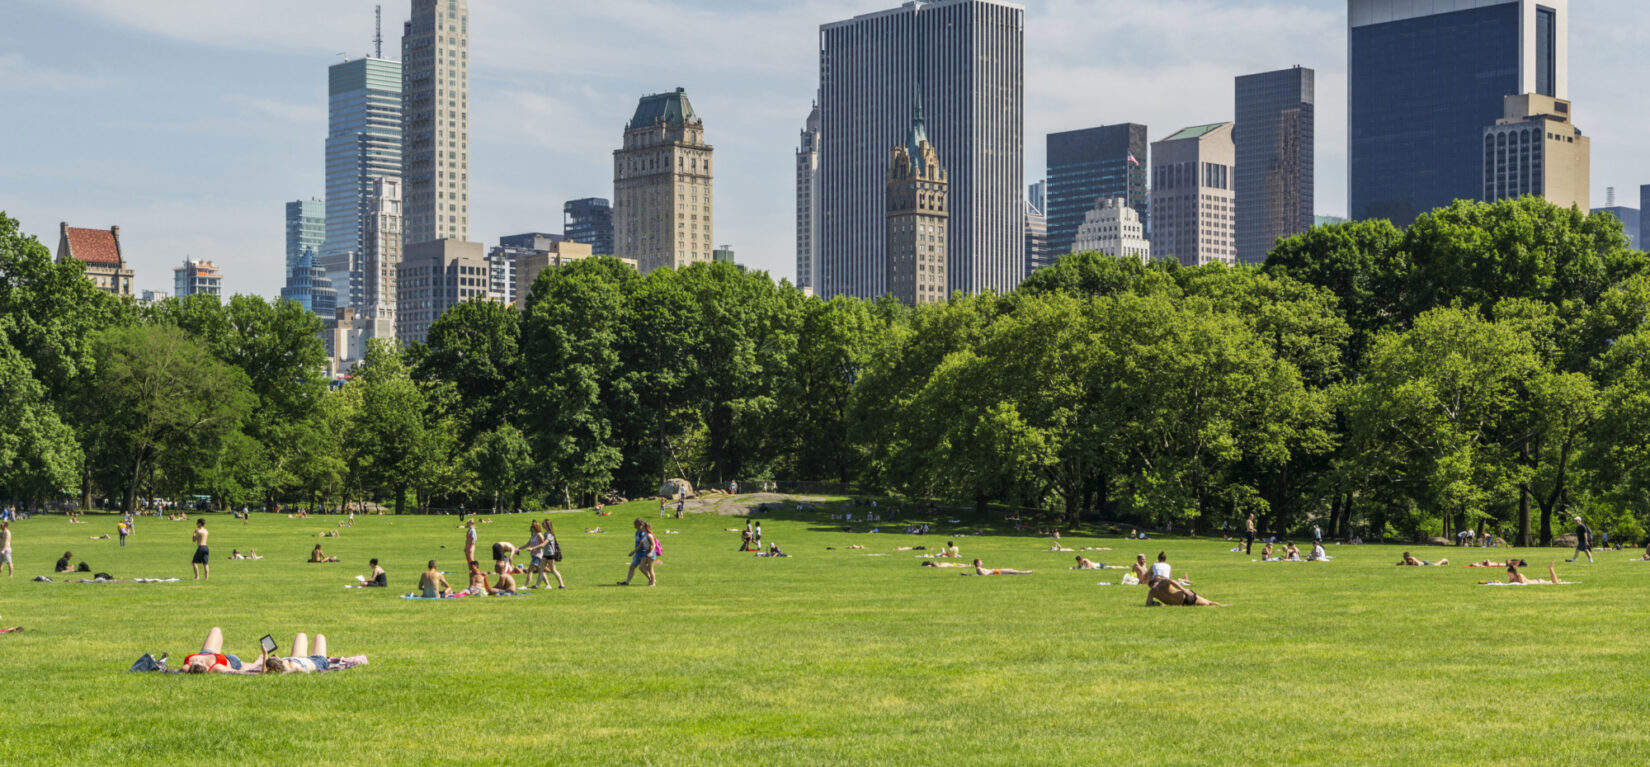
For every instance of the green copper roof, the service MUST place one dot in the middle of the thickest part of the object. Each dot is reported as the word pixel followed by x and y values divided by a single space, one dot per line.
pixel 671 109
pixel 1196 131
pixel 916 137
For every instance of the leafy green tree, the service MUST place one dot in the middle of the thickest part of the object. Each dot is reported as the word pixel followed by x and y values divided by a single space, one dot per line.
pixel 1360 262
pixel 834 344
pixel 476 347
pixel 165 402
pixel 502 462
pixel 39 457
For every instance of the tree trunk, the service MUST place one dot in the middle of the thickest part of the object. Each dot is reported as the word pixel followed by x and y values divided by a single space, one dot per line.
pixel 400 497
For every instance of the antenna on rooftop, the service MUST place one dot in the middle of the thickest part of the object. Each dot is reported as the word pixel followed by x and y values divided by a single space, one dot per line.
pixel 378 31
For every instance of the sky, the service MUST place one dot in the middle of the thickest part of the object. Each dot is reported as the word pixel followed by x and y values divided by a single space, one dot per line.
pixel 190 123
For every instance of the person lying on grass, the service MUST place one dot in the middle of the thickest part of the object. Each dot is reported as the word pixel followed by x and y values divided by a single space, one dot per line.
pixel 1168 592
pixel 250 554
pixel 1514 576
pixel 12 630
pixel 980 569
pixel 944 564
pixel 1084 563
pixel 212 660
pixel 1488 563
pixel 1409 561
pixel 433 584
pixel 317 556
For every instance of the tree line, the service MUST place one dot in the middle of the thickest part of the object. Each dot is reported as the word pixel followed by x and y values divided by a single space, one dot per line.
pixel 1488 367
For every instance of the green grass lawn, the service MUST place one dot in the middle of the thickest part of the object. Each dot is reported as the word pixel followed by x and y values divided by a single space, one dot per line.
pixel 828 657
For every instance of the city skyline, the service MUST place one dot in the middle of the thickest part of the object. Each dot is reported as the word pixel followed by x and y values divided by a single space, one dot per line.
pixel 198 169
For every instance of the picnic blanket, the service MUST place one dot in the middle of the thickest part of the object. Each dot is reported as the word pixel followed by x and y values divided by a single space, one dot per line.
pixel 463 595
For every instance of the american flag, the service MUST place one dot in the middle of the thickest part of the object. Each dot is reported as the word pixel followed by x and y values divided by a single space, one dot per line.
pixel 1133 161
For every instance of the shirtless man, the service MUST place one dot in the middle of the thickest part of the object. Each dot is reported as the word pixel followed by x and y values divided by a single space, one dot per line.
pixel 1141 571
pixel 433 584
pixel 1168 592
pixel 1084 563
pixel 506 581
pixel 1489 563
pixel 1409 561
pixel 5 547
pixel 201 564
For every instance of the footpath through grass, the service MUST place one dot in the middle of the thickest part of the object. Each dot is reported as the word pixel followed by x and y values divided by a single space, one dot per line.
pixel 827 657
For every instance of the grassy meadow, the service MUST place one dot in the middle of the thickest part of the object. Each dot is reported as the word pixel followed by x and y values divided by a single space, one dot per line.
pixel 826 657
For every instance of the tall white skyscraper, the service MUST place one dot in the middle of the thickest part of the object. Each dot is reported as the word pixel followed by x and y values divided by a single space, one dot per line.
pixel 965 60
pixel 382 257
pixel 363 145
pixel 435 154
pixel 807 202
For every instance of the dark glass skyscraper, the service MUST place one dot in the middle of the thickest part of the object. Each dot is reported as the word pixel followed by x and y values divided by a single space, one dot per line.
pixel 1090 164
pixel 589 221
pixel 1273 135
pixel 1423 81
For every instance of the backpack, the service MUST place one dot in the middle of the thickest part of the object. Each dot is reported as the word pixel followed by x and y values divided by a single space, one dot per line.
pixel 658 548
pixel 555 549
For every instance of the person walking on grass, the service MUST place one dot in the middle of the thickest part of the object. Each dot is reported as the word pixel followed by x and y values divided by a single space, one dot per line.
pixel 552 555
pixel 645 553
pixel 5 547
pixel 1584 540
pixel 201 564
pixel 1249 535
pixel 470 540
pixel 757 535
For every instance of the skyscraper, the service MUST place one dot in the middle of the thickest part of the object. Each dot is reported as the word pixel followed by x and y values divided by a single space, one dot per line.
pixel 306 230
pixel 363 145
pixel 662 185
pixel 433 277
pixel 1628 216
pixel 435 149
pixel 1424 78
pixel 381 260
pixel 1536 150
pixel 504 262
pixel 1038 254
pixel 1273 135
pixel 807 202
pixel 308 285
pixel 918 218
pixel 965 58
pixel 1113 228
pixel 1192 196
pixel 1037 195
pixel 590 221
pixel 1093 164
pixel 196 276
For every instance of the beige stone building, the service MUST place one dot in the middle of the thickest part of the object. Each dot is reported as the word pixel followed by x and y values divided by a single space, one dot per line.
pixel 381 257
pixel 919 217
pixel 99 250
pixel 1113 228
pixel 1535 149
pixel 434 276
pixel 662 199
pixel 553 254
pixel 1193 214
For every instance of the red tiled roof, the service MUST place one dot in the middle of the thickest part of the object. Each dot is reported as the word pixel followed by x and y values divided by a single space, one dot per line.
pixel 94 246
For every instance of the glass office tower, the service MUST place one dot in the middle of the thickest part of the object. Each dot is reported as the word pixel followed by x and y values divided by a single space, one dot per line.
pixel 306 229
pixel 1274 138
pixel 363 145
pixel 1092 164
pixel 589 220
pixel 1423 81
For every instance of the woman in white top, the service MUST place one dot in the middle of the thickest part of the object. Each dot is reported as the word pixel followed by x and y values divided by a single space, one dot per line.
pixel 1318 554
pixel 1160 568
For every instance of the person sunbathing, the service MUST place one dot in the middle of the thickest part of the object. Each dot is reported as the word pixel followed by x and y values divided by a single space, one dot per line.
pixel 12 630
pixel 433 584
pixel 1514 576
pixel 980 569
pixel 301 661
pixel 910 548
pixel 1140 571
pixel 1168 592
pixel 1266 553
pixel 506 582
pixel 212 660
pixel 250 554
pixel 379 578
pixel 1489 563
pixel 951 551
pixel 102 537
pixel 317 556
pixel 594 530
pixel 944 564
pixel 1084 563
pixel 1290 553
pixel 1409 561
pixel 1058 547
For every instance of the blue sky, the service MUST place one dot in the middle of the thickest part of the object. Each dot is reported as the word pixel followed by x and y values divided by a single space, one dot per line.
pixel 191 122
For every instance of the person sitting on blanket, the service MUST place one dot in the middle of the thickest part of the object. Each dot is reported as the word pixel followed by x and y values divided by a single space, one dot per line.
pixel 1168 592
pixel 951 551
pixel 980 569
pixel 1290 553
pixel 506 582
pixel 1409 561
pixel 317 556
pixel 1140 571
pixel 433 584
pixel 1266 553
pixel 379 577
pixel 1084 563
pixel 1514 576
pixel 63 565
pixel 478 583
pixel 1318 554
